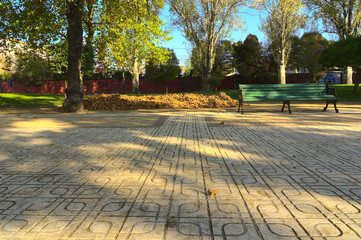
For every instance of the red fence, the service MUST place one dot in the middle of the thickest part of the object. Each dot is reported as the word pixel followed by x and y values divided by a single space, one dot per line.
pixel 180 84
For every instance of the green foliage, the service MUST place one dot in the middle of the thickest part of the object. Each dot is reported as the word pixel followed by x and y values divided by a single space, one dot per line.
pixel 214 81
pixel 88 55
pixel 252 62
pixel 88 61
pixel 58 57
pixel 31 69
pixel 343 53
pixel 4 76
pixel 38 23
pixel 159 73
pixel 129 31
pixel 196 62
pixel 305 51
pixel 188 71
pixel 204 23
pixel 223 60
pixel 283 18
pixel 342 17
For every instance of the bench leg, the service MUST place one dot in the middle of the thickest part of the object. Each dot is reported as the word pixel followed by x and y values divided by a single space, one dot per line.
pixel 288 104
pixel 334 103
pixel 325 108
pixel 240 106
pixel 240 100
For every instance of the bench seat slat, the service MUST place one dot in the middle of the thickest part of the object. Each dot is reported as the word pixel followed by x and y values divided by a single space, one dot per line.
pixel 282 86
pixel 287 98
pixel 284 94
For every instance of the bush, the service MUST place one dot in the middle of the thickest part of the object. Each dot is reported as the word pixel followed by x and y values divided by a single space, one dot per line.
pixel 214 81
pixel 5 76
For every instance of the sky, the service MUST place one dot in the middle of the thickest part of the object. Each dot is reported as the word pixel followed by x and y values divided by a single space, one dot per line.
pixel 182 47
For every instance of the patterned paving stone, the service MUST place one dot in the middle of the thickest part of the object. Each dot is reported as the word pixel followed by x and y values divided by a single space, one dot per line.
pixel 151 176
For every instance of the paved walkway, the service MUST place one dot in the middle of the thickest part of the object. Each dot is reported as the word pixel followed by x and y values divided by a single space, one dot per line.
pixel 151 175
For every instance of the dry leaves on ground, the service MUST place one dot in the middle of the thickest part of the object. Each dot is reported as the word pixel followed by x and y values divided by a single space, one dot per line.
pixel 181 100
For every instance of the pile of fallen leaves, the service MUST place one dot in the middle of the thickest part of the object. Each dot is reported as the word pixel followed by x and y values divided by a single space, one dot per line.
pixel 181 100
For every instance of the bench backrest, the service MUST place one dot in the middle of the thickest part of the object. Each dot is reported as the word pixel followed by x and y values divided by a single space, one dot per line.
pixel 279 91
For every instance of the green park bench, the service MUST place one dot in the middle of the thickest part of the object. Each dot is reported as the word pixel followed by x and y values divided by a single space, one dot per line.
pixel 286 93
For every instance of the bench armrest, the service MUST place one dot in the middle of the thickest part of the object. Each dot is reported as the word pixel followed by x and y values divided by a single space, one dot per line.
pixel 330 91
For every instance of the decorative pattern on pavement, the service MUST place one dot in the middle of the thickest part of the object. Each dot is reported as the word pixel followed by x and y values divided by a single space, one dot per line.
pixel 278 177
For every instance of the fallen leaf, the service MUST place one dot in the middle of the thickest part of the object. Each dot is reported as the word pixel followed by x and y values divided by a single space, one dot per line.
pixel 294 167
pixel 261 193
pixel 214 192
pixel 221 123
pixel 51 144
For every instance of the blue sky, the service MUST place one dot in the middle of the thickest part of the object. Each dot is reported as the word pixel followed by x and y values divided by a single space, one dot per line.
pixel 182 47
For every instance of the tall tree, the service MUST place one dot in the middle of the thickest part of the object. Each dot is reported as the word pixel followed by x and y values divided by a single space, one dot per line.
pixel 306 50
pixel 74 91
pixel 342 17
pixel 252 61
pixel 223 60
pixel 204 23
pixel 128 41
pixel 159 73
pixel 188 68
pixel 248 57
pixel 32 68
pixel 283 19
pixel 41 23
pixel 88 57
pixel 345 52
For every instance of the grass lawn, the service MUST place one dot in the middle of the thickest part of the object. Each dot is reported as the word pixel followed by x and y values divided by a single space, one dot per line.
pixel 344 91
pixel 39 100
pixel 29 100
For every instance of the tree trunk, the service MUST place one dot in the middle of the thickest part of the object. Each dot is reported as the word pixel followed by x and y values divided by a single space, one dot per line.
pixel 88 65
pixel 357 81
pixel 281 68
pixel 135 79
pixel 207 68
pixel 123 82
pixel 348 75
pixel 166 88
pixel 205 75
pixel 74 91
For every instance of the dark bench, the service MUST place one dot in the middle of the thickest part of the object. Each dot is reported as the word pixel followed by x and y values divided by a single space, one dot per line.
pixel 286 93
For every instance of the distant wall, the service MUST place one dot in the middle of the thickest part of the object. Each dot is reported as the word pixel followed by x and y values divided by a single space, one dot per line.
pixel 179 84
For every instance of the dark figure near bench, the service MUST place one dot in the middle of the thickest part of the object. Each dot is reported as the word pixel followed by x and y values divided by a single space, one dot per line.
pixel 286 93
